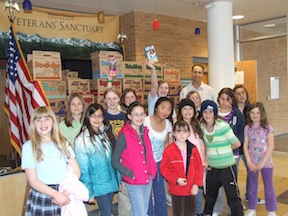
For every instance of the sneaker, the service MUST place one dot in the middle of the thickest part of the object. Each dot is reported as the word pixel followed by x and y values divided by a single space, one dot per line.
pixel 168 200
pixel 216 214
pixel 271 213
pixel 259 201
pixel 250 212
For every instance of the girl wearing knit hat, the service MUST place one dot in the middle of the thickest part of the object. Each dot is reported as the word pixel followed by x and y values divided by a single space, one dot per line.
pixel 220 141
pixel 187 113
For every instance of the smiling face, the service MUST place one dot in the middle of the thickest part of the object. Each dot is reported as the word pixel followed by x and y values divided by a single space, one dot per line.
pixel 76 106
pixel 137 116
pixel 129 98
pixel 208 116
pixel 163 90
pixel 96 119
pixel 43 126
pixel 163 110
pixel 112 100
pixel 255 115
pixel 196 99
pixel 187 113
pixel 181 134
pixel 197 74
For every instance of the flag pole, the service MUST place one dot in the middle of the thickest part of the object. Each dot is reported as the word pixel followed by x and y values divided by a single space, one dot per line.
pixel 9 4
pixel 22 94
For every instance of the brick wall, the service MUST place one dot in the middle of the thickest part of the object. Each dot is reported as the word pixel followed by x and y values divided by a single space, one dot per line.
pixel 176 44
pixel 175 41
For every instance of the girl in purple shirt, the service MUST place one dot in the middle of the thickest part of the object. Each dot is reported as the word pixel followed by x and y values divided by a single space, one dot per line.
pixel 258 148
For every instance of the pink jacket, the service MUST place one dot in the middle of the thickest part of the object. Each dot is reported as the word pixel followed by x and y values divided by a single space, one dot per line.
pixel 78 194
pixel 134 159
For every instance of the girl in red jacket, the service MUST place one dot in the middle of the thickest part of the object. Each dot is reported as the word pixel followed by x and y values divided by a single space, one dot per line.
pixel 182 167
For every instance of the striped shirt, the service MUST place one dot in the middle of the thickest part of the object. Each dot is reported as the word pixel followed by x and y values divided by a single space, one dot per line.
pixel 218 143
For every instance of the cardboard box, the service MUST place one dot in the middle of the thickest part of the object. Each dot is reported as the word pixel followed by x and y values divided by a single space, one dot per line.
pixel 106 54
pixel 46 65
pixel 146 85
pixel 159 71
pixel 133 69
pixel 69 74
pixel 54 89
pixel 100 100
pixel 99 86
pixel 89 99
pixel 175 89
pixel 100 64
pixel 59 106
pixel 60 118
pixel 136 84
pixel 172 75
pixel 80 86
pixel 140 97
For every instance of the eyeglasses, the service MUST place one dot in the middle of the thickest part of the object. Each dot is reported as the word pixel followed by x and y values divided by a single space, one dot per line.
pixel 139 115
pixel 96 116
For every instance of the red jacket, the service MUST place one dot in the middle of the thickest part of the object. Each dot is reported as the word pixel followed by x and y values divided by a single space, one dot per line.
pixel 134 159
pixel 172 168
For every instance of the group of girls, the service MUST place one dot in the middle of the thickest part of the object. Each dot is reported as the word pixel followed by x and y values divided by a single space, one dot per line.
pixel 122 149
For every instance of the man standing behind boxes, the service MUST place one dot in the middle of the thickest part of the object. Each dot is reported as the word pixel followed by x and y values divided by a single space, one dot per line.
pixel 206 92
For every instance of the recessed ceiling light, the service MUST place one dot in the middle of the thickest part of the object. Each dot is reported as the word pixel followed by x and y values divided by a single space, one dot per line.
pixel 236 17
pixel 269 25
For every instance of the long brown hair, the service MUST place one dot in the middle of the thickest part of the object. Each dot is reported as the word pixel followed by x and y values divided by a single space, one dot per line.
pixel 56 136
pixel 263 115
pixel 194 122
pixel 69 117
pixel 124 93
pixel 106 132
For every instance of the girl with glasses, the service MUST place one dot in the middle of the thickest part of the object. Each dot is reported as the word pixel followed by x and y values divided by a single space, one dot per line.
pixel 133 158
pixel 94 146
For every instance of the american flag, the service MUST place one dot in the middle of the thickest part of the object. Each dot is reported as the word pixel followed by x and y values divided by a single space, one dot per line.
pixel 22 95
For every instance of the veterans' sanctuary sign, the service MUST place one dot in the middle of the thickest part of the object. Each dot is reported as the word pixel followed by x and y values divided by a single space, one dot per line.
pixel 62 24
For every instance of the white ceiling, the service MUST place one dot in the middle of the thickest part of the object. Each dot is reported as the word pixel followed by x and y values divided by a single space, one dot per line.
pixel 253 10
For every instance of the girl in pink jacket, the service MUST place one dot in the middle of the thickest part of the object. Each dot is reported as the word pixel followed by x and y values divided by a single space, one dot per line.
pixel 133 158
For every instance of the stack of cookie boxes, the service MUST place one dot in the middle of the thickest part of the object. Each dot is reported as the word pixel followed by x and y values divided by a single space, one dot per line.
pixel 129 74
pixel 45 66
pixel 171 75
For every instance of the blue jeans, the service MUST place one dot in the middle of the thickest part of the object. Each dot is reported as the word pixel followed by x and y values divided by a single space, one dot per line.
pixel 198 204
pixel 160 208
pixel 139 197
pixel 105 204
pixel 124 205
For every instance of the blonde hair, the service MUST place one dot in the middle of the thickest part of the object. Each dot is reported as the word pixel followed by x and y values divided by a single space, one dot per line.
pixel 112 90
pixel 56 136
